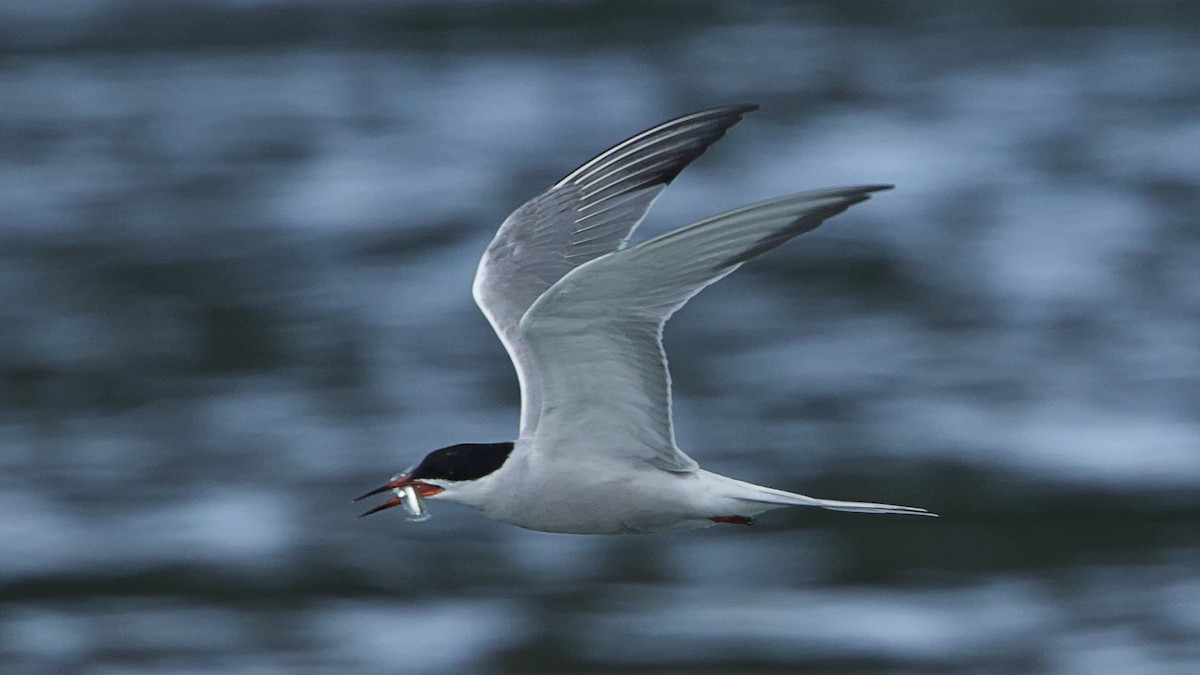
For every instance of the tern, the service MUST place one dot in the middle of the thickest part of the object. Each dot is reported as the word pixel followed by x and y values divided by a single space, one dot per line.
pixel 581 315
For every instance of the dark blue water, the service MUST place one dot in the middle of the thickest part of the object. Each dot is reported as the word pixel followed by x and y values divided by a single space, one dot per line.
pixel 236 248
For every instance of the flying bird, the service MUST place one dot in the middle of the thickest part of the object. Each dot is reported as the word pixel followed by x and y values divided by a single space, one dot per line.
pixel 581 315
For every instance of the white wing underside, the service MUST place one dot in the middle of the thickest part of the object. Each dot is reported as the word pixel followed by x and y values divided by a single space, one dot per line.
pixel 595 337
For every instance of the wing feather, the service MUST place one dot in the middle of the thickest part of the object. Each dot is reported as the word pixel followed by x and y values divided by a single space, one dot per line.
pixel 589 213
pixel 595 337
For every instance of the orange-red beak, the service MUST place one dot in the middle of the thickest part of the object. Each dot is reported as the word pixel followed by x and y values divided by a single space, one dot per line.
pixel 401 481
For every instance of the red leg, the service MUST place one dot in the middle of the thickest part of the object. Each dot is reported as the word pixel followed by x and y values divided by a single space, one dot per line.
pixel 732 520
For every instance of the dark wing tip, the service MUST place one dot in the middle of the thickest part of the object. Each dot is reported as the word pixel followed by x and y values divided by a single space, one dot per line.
pixel 658 154
pixel 737 108
pixel 806 219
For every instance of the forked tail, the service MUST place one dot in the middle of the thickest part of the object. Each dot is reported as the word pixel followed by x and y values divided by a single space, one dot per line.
pixel 866 507
pixel 766 495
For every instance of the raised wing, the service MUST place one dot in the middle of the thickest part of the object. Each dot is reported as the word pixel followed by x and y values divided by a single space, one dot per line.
pixel 595 338
pixel 587 214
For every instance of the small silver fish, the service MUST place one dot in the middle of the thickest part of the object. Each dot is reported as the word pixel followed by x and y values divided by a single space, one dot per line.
pixel 413 504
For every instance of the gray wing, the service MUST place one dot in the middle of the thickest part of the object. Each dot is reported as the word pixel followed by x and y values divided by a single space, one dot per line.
pixel 595 338
pixel 587 214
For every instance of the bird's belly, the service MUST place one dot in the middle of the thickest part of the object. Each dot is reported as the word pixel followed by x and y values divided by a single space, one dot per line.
pixel 613 507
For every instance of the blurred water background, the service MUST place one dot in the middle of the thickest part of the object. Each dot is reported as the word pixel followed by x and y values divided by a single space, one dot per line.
pixel 236 246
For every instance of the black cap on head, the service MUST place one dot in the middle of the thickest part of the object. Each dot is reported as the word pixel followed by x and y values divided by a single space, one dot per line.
pixel 465 461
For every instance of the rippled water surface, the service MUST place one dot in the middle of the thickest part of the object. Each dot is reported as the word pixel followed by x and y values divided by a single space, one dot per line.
pixel 236 248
